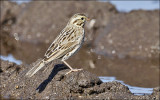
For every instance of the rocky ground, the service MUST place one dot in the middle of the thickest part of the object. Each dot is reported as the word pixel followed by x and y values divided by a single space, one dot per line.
pixel 124 45
pixel 52 83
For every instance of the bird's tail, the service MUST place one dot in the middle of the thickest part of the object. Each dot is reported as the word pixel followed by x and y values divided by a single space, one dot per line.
pixel 36 68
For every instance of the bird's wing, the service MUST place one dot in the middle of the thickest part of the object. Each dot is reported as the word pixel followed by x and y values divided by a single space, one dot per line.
pixel 60 38
pixel 54 45
pixel 61 51
pixel 61 45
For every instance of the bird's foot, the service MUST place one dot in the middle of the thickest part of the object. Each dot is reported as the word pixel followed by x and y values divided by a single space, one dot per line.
pixel 73 70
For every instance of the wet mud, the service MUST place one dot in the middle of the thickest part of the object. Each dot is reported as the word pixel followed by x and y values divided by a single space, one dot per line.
pixel 52 83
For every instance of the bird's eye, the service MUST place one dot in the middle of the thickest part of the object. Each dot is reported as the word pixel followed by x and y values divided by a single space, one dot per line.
pixel 82 18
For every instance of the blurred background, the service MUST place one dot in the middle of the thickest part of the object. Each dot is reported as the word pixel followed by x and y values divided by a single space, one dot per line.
pixel 122 38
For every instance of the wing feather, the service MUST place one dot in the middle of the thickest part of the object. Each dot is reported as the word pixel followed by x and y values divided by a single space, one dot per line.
pixel 61 45
pixel 58 53
pixel 59 39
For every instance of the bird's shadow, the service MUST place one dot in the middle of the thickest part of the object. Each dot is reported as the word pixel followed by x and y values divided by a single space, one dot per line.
pixel 55 70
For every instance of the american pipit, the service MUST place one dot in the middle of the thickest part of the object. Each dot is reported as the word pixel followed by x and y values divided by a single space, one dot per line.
pixel 65 45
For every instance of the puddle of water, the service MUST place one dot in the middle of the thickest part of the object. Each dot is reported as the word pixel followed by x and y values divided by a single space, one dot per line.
pixel 135 90
pixel 21 1
pixel 127 6
pixel 10 58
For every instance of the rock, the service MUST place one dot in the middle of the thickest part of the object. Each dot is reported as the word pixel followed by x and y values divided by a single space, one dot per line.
pixel 156 93
pixel 56 85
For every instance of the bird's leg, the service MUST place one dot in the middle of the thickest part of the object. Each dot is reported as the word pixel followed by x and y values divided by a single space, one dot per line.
pixel 72 70
pixel 67 65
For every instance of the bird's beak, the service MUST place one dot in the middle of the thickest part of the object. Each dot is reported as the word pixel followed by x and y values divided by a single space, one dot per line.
pixel 88 19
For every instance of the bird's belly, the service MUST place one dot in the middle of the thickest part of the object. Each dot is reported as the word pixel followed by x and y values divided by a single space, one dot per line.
pixel 73 51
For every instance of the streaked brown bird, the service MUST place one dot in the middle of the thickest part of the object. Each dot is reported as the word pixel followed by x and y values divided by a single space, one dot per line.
pixel 65 45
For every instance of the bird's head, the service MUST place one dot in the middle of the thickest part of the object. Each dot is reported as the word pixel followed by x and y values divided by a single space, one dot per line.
pixel 78 20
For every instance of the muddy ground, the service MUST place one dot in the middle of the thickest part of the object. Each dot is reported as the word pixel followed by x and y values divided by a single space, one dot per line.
pixel 52 83
pixel 124 45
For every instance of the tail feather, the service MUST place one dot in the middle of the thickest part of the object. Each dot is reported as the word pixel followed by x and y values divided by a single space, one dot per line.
pixel 36 68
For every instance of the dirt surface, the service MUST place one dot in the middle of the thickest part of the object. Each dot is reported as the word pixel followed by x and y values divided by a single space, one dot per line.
pixel 124 45
pixel 52 83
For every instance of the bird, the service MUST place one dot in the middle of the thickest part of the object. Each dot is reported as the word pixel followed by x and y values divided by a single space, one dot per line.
pixel 67 43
